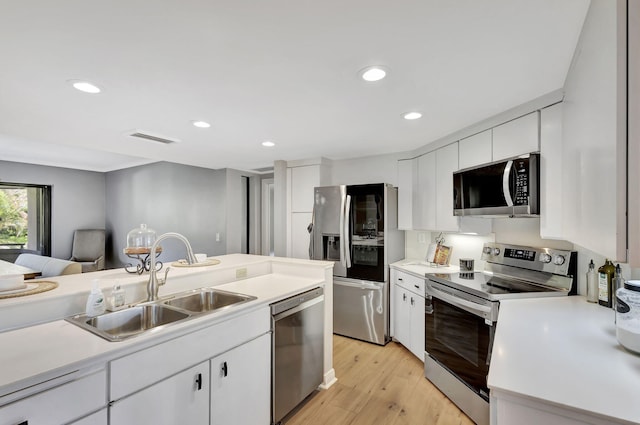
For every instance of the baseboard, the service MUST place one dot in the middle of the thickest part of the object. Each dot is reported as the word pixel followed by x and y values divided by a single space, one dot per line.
pixel 329 379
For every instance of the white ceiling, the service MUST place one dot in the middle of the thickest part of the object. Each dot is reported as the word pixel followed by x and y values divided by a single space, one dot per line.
pixel 281 70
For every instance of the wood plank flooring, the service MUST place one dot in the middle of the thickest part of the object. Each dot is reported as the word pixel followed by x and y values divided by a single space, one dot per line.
pixel 378 385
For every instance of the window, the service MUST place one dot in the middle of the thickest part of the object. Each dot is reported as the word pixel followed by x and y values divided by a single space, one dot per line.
pixel 25 218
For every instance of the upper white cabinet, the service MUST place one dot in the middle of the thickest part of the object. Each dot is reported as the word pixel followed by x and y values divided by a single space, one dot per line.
pixel 551 166
pixel 516 137
pixel 425 201
pixel 594 135
pixel 634 133
pixel 407 185
pixel 446 164
pixel 475 150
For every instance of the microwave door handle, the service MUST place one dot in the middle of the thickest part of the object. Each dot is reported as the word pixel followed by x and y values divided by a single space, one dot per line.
pixel 347 236
pixel 506 183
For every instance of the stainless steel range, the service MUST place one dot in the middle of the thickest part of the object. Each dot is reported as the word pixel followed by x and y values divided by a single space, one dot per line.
pixel 461 315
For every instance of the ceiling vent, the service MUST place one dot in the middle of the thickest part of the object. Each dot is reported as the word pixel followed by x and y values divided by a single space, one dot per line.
pixel 152 137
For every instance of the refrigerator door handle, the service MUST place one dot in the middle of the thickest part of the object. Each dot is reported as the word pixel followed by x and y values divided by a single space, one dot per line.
pixel 347 238
pixel 311 235
pixel 343 197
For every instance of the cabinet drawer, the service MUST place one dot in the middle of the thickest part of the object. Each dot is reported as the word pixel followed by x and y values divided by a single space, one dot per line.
pixel 154 364
pixel 59 405
pixel 410 282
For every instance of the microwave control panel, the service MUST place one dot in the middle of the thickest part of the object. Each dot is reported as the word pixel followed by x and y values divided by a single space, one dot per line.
pixel 522 182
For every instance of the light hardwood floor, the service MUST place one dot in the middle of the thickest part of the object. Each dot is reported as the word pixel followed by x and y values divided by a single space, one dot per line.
pixel 378 385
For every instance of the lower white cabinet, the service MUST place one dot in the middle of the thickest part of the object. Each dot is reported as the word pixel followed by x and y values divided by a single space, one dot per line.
pixel 180 399
pixel 59 405
pixel 241 384
pixel 408 312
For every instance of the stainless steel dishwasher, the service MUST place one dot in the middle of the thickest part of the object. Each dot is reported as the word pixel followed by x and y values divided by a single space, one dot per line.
pixel 297 350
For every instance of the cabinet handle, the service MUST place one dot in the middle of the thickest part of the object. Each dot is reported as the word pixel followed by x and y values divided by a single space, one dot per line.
pixel 400 279
pixel 199 381
pixel 224 369
pixel 416 286
pixel 412 301
pixel 404 297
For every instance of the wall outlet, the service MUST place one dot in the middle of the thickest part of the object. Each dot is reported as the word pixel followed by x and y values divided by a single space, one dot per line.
pixel 422 238
pixel 240 273
pixel 217 237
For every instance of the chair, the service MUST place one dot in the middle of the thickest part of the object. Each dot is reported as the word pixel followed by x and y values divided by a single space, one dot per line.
pixel 88 249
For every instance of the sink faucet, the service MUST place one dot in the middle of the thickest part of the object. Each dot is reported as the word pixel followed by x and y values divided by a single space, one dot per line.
pixel 154 283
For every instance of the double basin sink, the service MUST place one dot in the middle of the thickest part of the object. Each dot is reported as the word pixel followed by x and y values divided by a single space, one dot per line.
pixel 140 318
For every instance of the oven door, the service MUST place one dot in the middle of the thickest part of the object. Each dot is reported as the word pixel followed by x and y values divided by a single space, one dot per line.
pixel 459 336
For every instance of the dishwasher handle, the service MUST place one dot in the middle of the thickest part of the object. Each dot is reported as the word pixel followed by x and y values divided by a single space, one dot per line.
pixel 297 308
pixel 296 301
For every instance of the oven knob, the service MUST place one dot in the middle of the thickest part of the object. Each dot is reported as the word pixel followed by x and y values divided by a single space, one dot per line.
pixel 487 250
pixel 545 258
pixel 496 251
pixel 558 260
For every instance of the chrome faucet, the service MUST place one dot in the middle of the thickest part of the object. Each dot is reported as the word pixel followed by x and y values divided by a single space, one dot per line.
pixel 154 283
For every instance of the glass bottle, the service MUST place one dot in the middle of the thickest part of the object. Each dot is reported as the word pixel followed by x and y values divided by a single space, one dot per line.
pixel 592 284
pixel 605 278
pixel 616 283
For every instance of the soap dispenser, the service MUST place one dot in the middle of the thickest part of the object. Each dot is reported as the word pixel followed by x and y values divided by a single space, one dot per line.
pixel 95 302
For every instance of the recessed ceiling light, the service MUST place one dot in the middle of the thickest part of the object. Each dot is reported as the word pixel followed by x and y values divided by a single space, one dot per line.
pixel 412 115
pixel 201 124
pixel 268 144
pixel 373 73
pixel 85 86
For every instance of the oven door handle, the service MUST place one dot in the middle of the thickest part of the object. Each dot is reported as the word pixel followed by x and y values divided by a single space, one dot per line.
pixel 471 307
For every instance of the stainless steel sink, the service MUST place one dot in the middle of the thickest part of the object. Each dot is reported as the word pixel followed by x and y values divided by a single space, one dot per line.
pixel 135 320
pixel 119 325
pixel 207 299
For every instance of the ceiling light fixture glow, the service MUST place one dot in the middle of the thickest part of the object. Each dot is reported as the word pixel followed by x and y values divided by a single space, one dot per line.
pixel 412 115
pixel 201 124
pixel 268 144
pixel 373 73
pixel 85 86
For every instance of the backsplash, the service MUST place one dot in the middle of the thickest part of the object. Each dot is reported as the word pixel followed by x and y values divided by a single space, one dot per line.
pixel 517 231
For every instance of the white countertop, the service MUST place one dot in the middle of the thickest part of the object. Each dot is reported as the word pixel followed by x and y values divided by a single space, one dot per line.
pixel 564 352
pixel 420 268
pixel 45 351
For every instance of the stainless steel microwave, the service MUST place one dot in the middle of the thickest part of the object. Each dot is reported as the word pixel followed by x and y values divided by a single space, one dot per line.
pixel 508 187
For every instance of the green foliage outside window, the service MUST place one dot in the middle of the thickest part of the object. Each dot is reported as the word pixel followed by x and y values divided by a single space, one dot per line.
pixel 13 216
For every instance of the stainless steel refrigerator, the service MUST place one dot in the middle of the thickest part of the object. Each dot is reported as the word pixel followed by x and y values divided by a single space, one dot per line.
pixel 357 228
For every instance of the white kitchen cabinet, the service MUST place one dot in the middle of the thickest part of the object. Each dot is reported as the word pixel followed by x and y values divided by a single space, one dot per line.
pixel 407 192
pixel 634 132
pixel 100 417
pixel 516 137
pixel 408 312
pixel 551 166
pixel 475 150
pixel 446 164
pixel 241 384
pixel 594 138
pixel 62 404
pixel 180 399
pixel 425 204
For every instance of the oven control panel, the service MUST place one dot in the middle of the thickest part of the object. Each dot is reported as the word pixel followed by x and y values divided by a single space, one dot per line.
pixel 548 260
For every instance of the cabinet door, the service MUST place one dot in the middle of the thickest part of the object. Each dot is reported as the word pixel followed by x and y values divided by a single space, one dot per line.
pixel 407 185
pixel 516 137
pixel 303 180
pixel 180 399
pixel 241 384
pixel 417 325
pixel 425 206
pixel 59 405
pixel 475 150
pixel 446 164
pixel 551 166
pixel 401 316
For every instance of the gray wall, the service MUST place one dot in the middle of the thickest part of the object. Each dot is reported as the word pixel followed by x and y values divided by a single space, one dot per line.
pixel 168 198
pixel 78 199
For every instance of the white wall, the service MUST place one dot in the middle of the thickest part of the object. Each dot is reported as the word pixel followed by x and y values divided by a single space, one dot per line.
pixel 168 198
pixel 77 199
